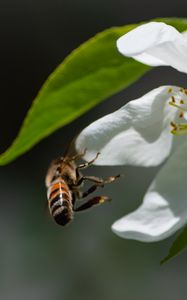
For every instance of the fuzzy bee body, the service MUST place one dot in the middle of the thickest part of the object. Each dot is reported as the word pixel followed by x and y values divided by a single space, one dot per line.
pixel 63 182
pixel 60 177
pixel 60 201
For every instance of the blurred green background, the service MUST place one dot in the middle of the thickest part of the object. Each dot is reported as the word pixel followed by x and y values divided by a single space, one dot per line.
pixel 38 259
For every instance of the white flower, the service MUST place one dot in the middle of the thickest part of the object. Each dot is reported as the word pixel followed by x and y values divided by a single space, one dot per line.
pixel 140 134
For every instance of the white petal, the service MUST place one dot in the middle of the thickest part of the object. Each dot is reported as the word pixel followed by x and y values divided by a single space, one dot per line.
pixel 136 134
pixel 164 209
pixel 156 44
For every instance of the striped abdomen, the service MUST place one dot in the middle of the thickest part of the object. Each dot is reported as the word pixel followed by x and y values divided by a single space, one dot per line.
pixel 60 201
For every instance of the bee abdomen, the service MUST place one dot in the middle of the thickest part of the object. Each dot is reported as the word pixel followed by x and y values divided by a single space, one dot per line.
pixel 60 202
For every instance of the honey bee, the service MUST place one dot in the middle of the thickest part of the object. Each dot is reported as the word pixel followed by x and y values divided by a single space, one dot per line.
pixel 64 182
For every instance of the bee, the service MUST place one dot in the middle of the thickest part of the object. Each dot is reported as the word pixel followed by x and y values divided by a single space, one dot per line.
pixel 64 182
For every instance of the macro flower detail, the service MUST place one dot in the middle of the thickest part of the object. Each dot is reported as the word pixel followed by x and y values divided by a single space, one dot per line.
pixel 145 132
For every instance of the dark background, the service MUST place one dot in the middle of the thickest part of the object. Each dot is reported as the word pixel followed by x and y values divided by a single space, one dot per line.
pixel 38 259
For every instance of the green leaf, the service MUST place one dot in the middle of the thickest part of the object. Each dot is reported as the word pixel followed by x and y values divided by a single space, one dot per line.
pixel 90 74
pixel 178 246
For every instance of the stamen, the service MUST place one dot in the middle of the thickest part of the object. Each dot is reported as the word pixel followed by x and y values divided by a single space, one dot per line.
pixel 179 129
pixel 181 115
pixel 170 90
pixel 173 124
pixel 177 106
pixel 182 101
pixel 174 130
pixel 182 126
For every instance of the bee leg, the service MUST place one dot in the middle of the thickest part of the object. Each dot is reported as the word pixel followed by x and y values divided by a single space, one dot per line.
pixel 87 164
pixel 84 166
pixel 79 194
pixel 99 181
pixel 78 155
pixel 90 190
pixel 81 179
pixel 94 201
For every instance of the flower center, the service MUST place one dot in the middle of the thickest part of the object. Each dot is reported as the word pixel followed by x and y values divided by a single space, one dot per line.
pixel 176 127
